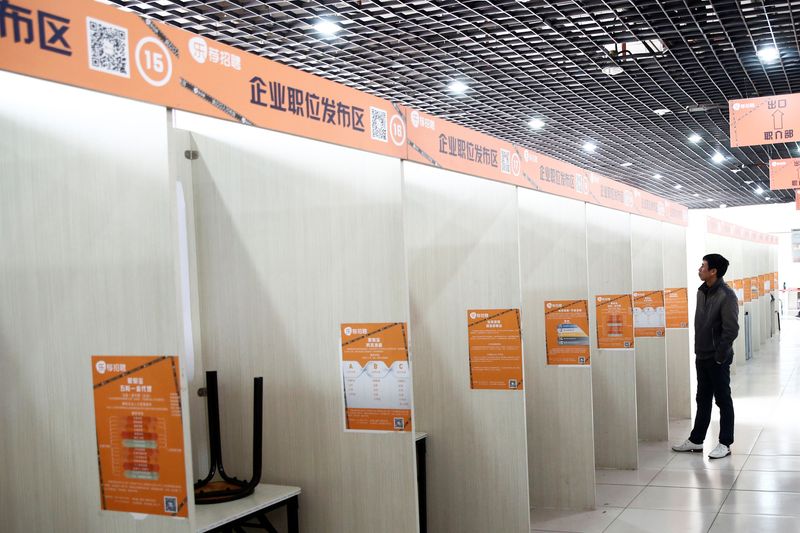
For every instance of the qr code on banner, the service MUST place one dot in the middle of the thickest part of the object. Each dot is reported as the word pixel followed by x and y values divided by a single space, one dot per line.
pixel 505 161
pixel 108 48
pixel 170 504
pixel 378 122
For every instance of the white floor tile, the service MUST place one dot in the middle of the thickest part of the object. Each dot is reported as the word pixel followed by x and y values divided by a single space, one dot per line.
pixel 698 461
pixel 785 463
pixel 616 495
pixel 702 478
pixel 680 499
pixel 740 523
pixel 573 521
pixel 759 502
pixel 772 481
pixel 655 521
pixel 643 476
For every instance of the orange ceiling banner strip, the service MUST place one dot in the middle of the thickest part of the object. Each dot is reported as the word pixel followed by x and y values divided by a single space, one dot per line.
pixel 728 229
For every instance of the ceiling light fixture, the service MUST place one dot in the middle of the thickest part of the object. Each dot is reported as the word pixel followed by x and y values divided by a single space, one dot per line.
pixel 695 138
pixel 678 186
pixel 589 147
pixel 626 164
pixel 718 158
pixel 457 87
pixel 768 54
pixel 536 123
pixel 709 199
pixel 759 190
pixel 611 70
pixel 749 181
pixel 661 112
pixel 696 195
pixel 723 206
pixel 736 170
pixel 657 176
pixel 326 27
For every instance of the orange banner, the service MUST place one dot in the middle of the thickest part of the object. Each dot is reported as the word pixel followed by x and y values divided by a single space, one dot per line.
pixel 440 143
pixel 755 291
pixel 784 173
pixel 796 201
pixel 614 321
pixel 566 324
pixel 139 424
pixel 728 229
pixel 763 284
pixel 738 287
pixel 676 304
pixel 495 349
pixel 774 281
pixel 765 120
pixel 649 315
pixel 376 376
pixel 100 47
pixel 748 292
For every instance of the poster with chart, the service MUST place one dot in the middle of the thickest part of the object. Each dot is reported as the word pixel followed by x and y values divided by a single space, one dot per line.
pixel 649 315
pixel 139 424
pixel 495 349
pixel 566 324
pixel 376 376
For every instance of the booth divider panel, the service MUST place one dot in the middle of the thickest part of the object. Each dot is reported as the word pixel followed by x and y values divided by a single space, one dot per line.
pixel 679 354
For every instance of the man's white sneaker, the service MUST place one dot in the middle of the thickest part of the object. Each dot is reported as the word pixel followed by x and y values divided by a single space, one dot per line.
pixel 688 446
pixel 719 452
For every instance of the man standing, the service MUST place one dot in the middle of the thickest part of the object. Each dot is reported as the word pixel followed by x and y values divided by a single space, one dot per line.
pixel 716 325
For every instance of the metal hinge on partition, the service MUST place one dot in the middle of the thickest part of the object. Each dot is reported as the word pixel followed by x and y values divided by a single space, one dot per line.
pixel 191 154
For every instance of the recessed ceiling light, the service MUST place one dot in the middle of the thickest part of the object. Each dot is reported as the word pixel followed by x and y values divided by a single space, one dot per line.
pixel 735 170
pixel 718 157
pixel 611 70
pixel 536 123
pixel 457 87
pixel 626 164
pixel 589 147
pixel 709 199
pixel 749 181
pixel 759 190
pixel 768 54
pixel 678 186
pixel 661 112
pixel 327 27
pixel 696 195
pixel 695 138
pixel 723 206
pixel 769 198
pixel 657 176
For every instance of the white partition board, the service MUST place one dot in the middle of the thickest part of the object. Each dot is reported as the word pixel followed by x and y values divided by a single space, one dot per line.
pixel 679 353
pixel 462 252
pixel 295 237
pixel 559 398
pixel 86 226
pixel 647 274
pixel 751 264
pixel 613 371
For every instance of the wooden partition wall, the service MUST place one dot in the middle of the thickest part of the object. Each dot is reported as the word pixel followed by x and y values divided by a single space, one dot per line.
pixel 293 238
pixel 679 352
pixel 559 398
pixel 462 253
pixel 88 268
pixel 613 370
pixel 647 274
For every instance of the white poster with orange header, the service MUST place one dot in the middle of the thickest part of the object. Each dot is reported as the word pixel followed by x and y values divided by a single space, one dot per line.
pixel 614 321
pixel 376 376
pixel 566 324
pixel 649 314
pixel 139 424
pixel 495 349
pixel 676 306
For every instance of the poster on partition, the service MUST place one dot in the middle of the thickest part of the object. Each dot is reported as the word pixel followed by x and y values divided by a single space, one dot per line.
pixel 376 376
pixel 748 292
pixel 676 307
pixel 495 349
pixel 738 287
pixel 649 315
pixel 566 324
pixel 755 292
pixel 139 424
pixel 614 321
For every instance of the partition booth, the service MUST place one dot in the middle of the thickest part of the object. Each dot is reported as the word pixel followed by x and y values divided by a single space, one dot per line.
pixel 541 309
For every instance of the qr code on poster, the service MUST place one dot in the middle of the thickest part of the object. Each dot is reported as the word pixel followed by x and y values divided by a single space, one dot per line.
pixel 108 48
pixel 378 124
pixel 399 423
pixel 170 504
pixel 505 161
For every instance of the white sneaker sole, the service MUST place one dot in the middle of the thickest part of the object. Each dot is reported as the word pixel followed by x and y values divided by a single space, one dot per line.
pixel 698 450
pixel 723 457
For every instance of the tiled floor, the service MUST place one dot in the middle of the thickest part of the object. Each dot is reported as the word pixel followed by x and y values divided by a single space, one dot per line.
pixel 755 490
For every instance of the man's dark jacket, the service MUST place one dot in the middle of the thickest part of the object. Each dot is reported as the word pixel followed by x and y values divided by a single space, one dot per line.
pixel 716 322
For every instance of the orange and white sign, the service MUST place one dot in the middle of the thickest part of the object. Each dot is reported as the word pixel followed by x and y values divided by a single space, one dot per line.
pixel 765 120
pixel 100 47
pixel 614 321
pixel 738 287
pixel 784 173
pixel 649 314
pixel 495 349
pixel 566 324
pixel 762 284
pixel 139 424
pixel 796 201
pixel 377 376
pixel 728 229
pixel 748 293
pixel 676 304
pixel 755 290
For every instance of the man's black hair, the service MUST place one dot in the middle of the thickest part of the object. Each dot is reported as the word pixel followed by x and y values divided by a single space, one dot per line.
pixel 718 262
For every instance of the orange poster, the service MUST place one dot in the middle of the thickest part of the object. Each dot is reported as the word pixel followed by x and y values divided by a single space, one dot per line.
pixel 566 324
pixel 755 292
pixel 774 281
pixel 765 120
pixel 738 287
pixel 495 349
pixel 796 201
pixel 649 315
pixel 784 173
pixel 100 47
pixel 614 321
pixel 748 293
pixel 376 376
pixel 762 284
pixel 137 411
pixel 676 305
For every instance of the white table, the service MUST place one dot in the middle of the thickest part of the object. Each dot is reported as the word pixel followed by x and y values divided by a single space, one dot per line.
pixel 265 498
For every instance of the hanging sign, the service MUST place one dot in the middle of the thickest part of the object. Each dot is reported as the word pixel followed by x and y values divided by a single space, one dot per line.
pixel 566 325
pixel 614 321
pixel 376 376
pixel 649 315
pixel 139 424
pixel 495 349
pixel 676 307
pixel 765 120
pixel 738 287
pixel 784 173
